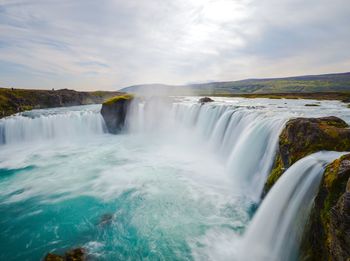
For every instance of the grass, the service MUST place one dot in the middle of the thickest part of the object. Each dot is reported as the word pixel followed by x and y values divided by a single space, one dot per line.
pixel 119 97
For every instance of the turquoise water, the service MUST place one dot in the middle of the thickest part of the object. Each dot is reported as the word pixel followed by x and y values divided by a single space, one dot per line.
pixel 116 196
pixel 182 184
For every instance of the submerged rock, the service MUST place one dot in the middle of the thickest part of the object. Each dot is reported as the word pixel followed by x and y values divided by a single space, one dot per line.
pixel 304 136
pixel 53 257
pixel 114 112
pixel 106 219
pixel 205 100
pixel 312 105
pixel 76 254
pixel 328 234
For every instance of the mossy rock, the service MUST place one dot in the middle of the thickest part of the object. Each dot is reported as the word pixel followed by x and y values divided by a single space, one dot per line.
pixel 327 236
pixel 304 136
pixel 114 112
pixel 118 98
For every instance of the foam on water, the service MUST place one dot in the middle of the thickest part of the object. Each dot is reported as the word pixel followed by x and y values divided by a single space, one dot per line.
pixel 182 183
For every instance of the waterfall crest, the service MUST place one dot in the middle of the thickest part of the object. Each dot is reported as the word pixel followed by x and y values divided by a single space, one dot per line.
pixel 51 124
pixel 276 229
pixel 244 138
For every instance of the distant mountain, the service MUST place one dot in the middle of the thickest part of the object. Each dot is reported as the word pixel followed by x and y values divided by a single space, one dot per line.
pixel 337 82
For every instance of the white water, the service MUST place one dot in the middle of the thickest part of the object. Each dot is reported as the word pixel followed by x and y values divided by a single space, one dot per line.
pixel 57 124
pixel 197 170
pixel 276 229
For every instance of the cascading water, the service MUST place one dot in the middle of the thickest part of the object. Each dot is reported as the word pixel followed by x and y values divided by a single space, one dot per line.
pixel 277 227
pixel 59 124
pixel 181 182
pixel 245 139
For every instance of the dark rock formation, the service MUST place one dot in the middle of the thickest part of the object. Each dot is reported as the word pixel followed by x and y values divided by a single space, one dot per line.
pixel 106 219
pixel 114 112
pixel 304 136
pixel 53 257
pixel 77 254
pixel 328 234
pixel 205 100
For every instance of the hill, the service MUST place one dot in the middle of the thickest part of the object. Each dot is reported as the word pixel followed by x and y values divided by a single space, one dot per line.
pixel 339 82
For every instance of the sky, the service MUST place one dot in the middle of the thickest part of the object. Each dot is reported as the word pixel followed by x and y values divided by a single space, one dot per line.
pixel 109 44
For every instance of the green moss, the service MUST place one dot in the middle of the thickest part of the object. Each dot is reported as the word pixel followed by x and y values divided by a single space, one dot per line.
pixel 119 97
pixel 275 174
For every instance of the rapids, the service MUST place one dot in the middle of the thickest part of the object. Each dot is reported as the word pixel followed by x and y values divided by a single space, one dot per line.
pixel 183 181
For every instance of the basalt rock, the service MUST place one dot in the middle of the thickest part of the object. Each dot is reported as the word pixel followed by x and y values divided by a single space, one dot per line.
pixel 304 136
pixel 205 100
pixel 114 112
pixel 327 236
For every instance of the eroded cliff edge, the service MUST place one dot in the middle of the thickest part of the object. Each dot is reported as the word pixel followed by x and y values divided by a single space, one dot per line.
pixel 304 136
pixel 327 235
pixel 114 112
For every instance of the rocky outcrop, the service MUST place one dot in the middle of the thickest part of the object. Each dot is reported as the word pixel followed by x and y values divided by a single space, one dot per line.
pixel 205 100
pixel 327 236
pixel 77 254
pixel 17 100
pixel 114 112
pixel 304 136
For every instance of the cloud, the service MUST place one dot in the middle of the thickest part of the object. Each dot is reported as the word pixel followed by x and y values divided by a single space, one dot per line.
pixel 107 44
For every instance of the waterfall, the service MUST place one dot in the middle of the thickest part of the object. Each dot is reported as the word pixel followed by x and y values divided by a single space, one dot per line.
pixel 59 123
pixel 244 138
pixel 276 229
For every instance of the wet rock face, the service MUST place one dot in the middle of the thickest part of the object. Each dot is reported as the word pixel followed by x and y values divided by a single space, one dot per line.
pixel 328 233
pixel 205 100
pixel 114 112
pixel 304 136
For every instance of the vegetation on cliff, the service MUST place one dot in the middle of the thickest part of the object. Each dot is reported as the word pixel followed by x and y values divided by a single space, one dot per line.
pixel 327 236
pixel 17 100
pixel 304 136
pixel 115 99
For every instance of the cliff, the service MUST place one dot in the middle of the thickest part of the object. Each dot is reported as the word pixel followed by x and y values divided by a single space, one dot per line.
pixel 327 235
pixel 304 136
pixel 17 100
pixel 114 112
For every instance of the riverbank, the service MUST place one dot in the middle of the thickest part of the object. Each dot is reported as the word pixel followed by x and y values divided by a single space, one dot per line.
pixel 13 100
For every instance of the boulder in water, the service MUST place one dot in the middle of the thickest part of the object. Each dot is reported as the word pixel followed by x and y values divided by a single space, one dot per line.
pixel 304 136
pixel 205 100
pixel 53 257
pixel 114 112
pixel 328 234
pixel 76 254
pixel 106 219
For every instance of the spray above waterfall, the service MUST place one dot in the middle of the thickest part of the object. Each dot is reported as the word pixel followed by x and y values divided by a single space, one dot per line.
pixel 182 181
